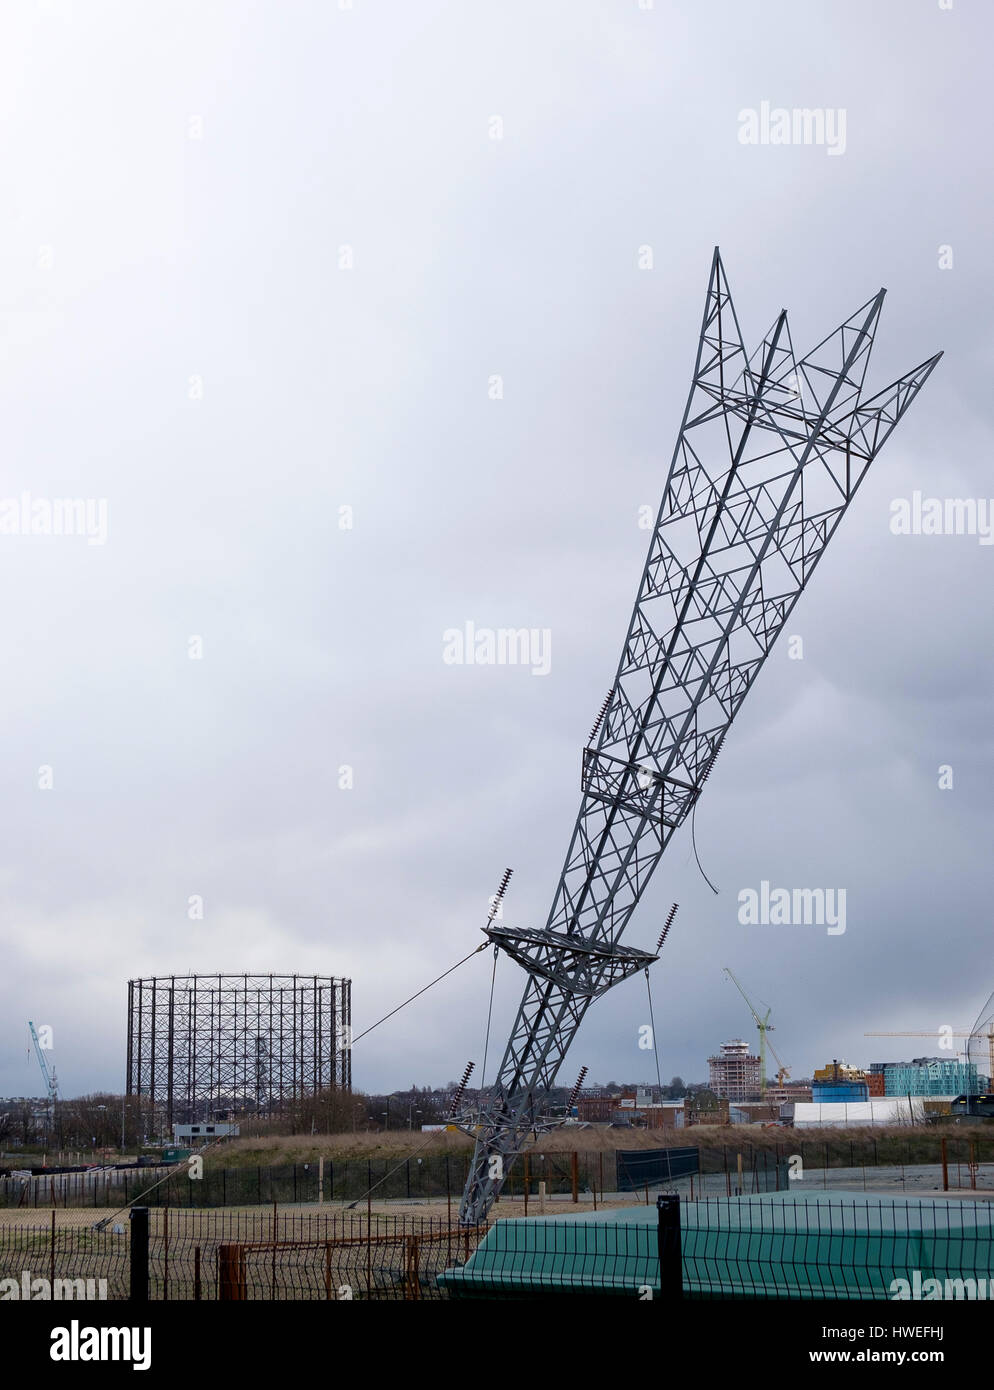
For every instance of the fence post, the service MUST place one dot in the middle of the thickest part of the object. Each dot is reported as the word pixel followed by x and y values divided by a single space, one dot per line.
pixel 51 1257
pixel 275 1242
pixel 139 1255
pixel 196 1274
pixel 670 1257
pixel 231 1272
pixel 945 1166
pixel 575 1175
pixel 412 1286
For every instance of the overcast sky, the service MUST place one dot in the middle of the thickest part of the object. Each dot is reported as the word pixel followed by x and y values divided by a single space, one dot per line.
pixel 183 188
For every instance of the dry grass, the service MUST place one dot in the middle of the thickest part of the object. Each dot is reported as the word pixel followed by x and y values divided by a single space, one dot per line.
pixel 271 1150
pixel 306 1148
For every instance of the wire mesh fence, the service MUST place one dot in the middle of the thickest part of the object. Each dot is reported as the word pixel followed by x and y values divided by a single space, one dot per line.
pixel 911 1161
pixel 205 1255
pixel 775 1246
pixel 418 1178
pixel 838 1248
pixel 48 1257
pixel 396 1264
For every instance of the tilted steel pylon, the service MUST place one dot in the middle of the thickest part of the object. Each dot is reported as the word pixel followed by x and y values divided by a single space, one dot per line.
pixel 771 451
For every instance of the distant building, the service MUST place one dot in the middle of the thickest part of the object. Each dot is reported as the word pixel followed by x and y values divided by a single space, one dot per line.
pixel 204 1133
pixel 734 1073
pixel 605 1108
pixel 837 1071
pixel 705 1108
pixel 595 1109
pixel 931 1076
pixel 667 1114
pixel 790 1090
pixel 754 1112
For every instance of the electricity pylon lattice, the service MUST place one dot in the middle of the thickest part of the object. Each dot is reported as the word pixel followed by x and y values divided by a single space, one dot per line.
pixel 771 451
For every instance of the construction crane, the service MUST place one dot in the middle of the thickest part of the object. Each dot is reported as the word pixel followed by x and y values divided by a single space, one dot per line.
pixel 925 1033
pixel 50 1079
pixel 764 1025
pixel 783 1072
pixel 770 453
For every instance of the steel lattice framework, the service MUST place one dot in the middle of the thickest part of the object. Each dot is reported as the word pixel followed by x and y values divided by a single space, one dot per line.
pixel 198 1044
pixel 771 451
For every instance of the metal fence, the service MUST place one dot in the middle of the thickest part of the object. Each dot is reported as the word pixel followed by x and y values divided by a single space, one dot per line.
pixel 837 1248
pixel 638 1168
pixel 194 1255
pixel 747 1248
pixel 392 1265
pixel 956 1161
pixel 773 1247
pixel 423 1178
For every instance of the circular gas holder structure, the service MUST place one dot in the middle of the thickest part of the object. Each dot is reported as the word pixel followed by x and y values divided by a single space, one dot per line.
pixel 201 1045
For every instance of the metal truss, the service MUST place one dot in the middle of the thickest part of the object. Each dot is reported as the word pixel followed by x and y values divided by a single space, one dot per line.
pixel 771 451
pixel 198 1044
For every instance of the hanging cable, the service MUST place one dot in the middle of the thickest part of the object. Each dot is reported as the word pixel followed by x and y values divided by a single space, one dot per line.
pixel 475 952
pixel 693 814
pixel 495 909
pixel 652 1025
pixel 490 1014
pixel 693 841
pixel 406 1159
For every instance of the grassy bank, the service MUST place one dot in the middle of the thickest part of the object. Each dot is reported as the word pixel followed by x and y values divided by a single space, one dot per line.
pixel 832 1148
